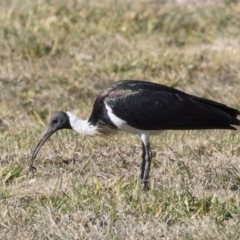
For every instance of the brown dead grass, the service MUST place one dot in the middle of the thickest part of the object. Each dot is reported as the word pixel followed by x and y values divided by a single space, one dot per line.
pixel 57 55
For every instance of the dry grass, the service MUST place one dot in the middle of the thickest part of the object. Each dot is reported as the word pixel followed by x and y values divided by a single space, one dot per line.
pixel 57 55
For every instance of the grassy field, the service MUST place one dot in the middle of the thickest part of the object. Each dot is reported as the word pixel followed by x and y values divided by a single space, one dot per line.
pixel 57 55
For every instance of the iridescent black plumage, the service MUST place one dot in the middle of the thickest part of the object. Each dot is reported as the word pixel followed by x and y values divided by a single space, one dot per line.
pixel 151 106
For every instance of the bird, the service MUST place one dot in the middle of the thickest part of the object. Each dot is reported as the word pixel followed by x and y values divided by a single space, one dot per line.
pixel 143 108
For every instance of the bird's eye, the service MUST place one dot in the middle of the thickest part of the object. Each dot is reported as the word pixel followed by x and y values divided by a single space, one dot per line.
pixel 55 121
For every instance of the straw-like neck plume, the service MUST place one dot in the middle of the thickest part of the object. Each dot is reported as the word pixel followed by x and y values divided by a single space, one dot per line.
pixel 81 126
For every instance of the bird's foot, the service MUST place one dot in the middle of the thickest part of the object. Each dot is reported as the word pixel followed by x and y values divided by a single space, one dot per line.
pixel 144 185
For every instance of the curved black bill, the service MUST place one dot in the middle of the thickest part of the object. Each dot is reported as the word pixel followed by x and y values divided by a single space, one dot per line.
pixel 46 135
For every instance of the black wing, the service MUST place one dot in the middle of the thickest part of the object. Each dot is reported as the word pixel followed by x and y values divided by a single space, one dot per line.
pixel 150 106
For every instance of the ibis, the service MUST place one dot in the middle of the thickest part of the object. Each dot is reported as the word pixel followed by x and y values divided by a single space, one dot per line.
pixel 143 108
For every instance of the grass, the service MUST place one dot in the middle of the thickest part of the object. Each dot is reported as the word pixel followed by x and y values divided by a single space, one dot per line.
pixel 57 55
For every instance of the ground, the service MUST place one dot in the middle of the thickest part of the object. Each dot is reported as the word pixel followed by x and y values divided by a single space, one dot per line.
pixel 57 55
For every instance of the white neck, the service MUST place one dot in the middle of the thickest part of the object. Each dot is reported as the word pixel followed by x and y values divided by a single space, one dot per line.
pixel 81 126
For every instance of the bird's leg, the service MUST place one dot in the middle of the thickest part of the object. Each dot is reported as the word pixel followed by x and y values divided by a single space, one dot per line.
pixel 143 161
pixel 147 166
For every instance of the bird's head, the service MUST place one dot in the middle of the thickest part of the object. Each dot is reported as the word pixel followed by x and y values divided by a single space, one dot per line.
pixel 60 120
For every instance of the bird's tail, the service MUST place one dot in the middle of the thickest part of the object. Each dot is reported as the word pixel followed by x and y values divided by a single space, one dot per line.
pixel 231 112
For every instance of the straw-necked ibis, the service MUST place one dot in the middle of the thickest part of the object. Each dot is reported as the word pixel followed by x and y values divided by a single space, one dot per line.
pixel 146 109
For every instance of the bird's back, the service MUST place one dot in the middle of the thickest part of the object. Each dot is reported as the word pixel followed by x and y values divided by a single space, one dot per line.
pixel 150 106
